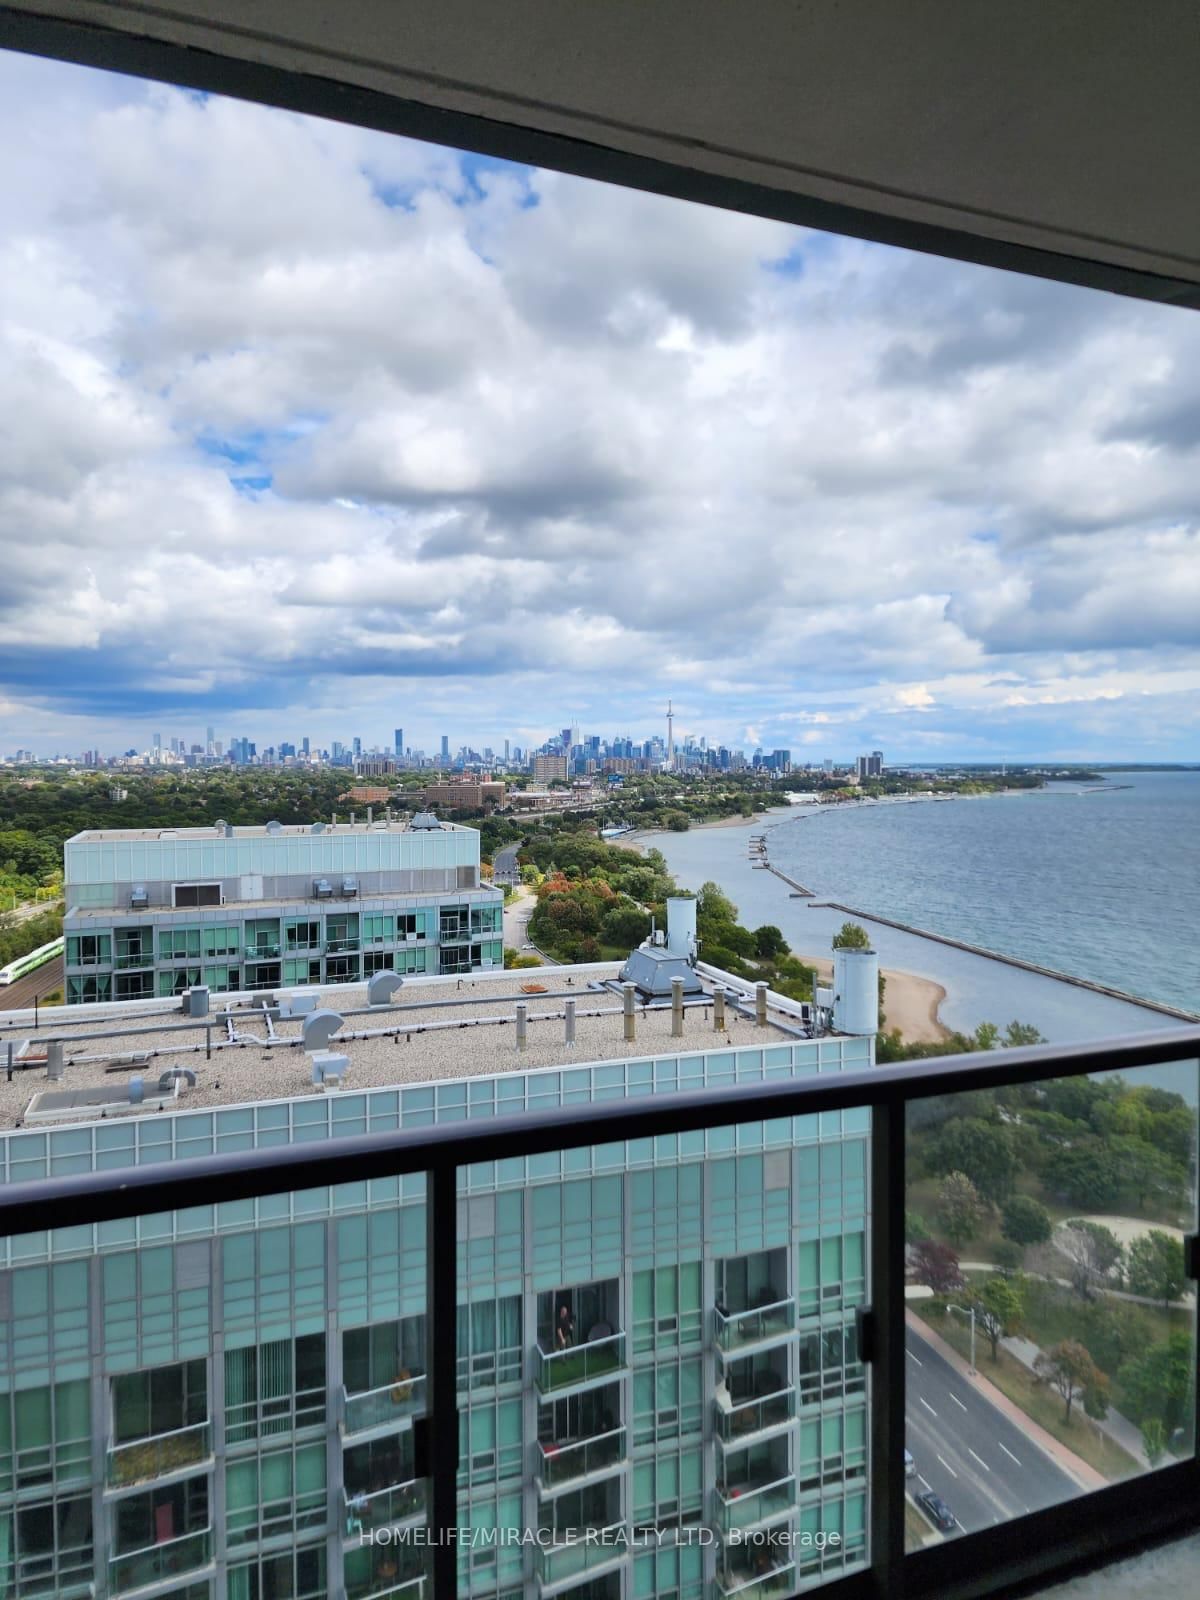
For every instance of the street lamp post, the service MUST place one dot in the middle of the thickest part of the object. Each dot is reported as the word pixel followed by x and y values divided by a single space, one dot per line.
pixel 968 1311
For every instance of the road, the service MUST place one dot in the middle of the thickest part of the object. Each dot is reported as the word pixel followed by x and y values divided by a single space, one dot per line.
pixel 504 865
pixel 981 1464
pixel 39 982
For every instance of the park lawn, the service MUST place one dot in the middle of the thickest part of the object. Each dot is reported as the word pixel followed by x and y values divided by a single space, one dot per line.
pixel 1039 1402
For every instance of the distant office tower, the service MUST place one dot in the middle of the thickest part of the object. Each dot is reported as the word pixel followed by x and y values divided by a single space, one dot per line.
pixel 209 742
pixel 305 746
pixel 875 764
pixel 506 757
pixel 357 747
pixel 445 747
pixel 398 743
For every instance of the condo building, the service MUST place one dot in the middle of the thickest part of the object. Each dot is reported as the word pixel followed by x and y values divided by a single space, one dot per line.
pixel 660 1391
pixel 152 913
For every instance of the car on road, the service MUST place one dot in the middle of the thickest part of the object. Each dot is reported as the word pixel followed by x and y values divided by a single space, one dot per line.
pixel 936 1509
pixel 910 1466
pixel 527 947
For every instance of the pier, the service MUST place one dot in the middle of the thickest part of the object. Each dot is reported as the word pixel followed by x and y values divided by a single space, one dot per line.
pixel 760 859
pixel 1011 961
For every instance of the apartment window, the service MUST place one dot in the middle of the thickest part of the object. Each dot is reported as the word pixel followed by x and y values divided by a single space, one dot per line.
pixel 223 979
pixel 666 1307
pixel 134 986
pixel 384 1353
pixel 53 1545
pixel 379 929
pixel 489 1442
pixel 81 991
pixel 45 1435
pixel 454 922
pixel 179 944
pixel 159 1400
pixel 669 1574
pixel 135 947
pixel 831 1274
pixel 489 1342
pixel 306 969
pixel 304 935
pixel 222 941
pixel 89 949
pixel 667 1492
pixel 485 919
pixel 341 969
pixel 274 1387
pixel 295 1575
pixel 177 980
pixel 276 1494
pixel 667 1400
pixel 160 1534
pixel 196 894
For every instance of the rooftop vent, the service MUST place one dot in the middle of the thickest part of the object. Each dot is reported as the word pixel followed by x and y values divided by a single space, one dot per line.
pixel 425 820
pixel 317 827
pixel 274 827
pixel 138 898
pixel 349 887
pixel 168 833
pixel 220 824
pixel 322 889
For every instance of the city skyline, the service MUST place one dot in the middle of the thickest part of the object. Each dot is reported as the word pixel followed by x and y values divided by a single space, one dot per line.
pixel 407 425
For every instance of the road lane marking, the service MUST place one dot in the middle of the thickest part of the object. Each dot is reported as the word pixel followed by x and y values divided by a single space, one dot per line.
pixel 980 1459
pixel 948 1467
pixel 927 1406
pixel 1008 1452
pixel 912 1357
pixel 958 1402
pixel 925 1481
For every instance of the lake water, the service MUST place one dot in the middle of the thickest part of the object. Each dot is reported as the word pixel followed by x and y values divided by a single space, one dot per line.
pixel 1100 885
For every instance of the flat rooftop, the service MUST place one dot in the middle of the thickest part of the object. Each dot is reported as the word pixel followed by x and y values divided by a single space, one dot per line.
pixel 451 1028
pixel 293 830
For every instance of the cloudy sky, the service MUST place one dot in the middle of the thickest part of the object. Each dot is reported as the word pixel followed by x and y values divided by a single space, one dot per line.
pixel 305 430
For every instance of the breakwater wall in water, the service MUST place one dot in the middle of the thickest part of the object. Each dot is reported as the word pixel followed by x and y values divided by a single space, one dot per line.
pixel 798 888
pixel 1009 961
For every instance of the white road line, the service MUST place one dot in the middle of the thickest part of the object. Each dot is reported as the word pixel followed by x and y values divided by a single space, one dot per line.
pixel 925 1481
pixel 927 1406
pixel 980 1459
pixel 948 1467
pixel 912 1357
pixel 958 1402
pixel 1008 1452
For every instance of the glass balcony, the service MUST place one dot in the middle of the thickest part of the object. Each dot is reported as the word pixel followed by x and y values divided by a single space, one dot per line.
pixel 335 947
pixel 738 1329
pixel 737 1423
pixel 746 1505
pixel 262 952
pixel 567 1553
pixel 748 1580
pixel 160 1562
pixel 139 1460
pixel 559 1464
pixel 409 1589
pixel 136 958
pixel 399 1502
pixel 562 1369
pixel 398 1401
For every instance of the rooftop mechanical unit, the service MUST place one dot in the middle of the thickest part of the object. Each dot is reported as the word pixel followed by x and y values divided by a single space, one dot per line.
pixel 322 889
pixel 138 899
pixel 349 888
pixel 424 821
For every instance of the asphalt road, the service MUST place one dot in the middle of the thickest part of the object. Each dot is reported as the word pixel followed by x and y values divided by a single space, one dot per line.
pixel 504 865
pixel 39 982
pixel 981 1464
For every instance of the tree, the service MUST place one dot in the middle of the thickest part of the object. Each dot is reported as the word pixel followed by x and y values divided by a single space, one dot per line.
pixel 936 1265
pixel 959 1207
pixel 983 1150
pixel 851 937
pixel 1082 1173
pixel 999 1307
pixel 1155 1267
pixel 914 1228
pixel 769 942
pixel 1019 1033
pixel 1067 1367
pixel 1025 1221
pixel 715 904
pixel 1008 1256
pixel 1158 1383
pixel 1154 1440
pixel 1144 1170
pixel 987 1036
pixel 1092 1251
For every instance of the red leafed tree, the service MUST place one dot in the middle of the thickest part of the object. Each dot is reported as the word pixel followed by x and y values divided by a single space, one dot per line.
pixel 936 1265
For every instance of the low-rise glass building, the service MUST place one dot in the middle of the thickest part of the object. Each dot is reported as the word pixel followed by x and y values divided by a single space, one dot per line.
pixel 154 913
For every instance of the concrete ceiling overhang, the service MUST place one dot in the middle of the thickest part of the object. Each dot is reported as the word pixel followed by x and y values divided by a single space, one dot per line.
pixel 1057 137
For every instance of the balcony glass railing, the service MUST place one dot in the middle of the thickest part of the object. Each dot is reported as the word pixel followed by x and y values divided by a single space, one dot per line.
pixel 559 1369
pixel 398 1401
pixel 135 958
pixel 335 947
pixel 737 1329
pixel 262 952
pixel 140 1459
pixel 369 1589
pixel 382 1507
pixel 564 1554
pixel 564 1463
pixel 737 1422
pixel 70 1571
pixel 159 1562
pixel 774 1584
pixel 744 1505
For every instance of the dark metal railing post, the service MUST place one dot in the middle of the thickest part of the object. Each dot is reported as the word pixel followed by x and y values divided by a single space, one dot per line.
pixel 886 1351
pixel 441 1266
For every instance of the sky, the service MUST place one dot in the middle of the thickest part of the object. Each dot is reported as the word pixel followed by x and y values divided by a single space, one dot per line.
pixel 310 430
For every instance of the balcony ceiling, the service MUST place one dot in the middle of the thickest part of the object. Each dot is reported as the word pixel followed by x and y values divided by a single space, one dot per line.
pixel 1051 136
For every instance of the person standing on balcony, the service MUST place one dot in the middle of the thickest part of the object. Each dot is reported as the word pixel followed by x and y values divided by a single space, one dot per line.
pixel 564 1333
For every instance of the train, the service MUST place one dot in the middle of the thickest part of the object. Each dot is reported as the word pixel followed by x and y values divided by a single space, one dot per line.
pixel 31 962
